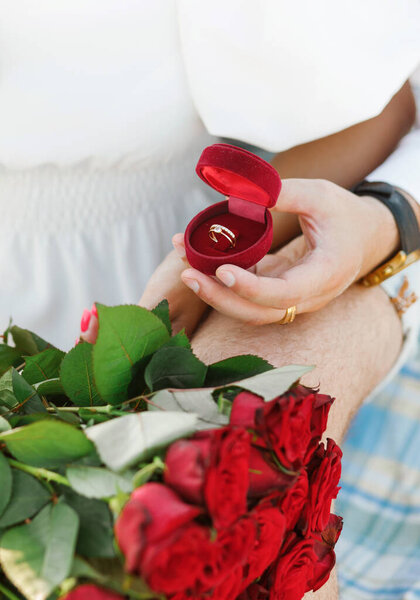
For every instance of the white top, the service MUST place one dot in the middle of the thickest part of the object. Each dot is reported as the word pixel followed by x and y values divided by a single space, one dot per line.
pixel 106 105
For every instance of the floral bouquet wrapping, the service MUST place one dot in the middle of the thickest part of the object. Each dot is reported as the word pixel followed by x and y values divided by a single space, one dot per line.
pixel 130 469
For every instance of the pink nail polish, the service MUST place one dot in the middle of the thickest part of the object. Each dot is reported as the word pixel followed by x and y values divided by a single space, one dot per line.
pixel 84 323
pixel 94 310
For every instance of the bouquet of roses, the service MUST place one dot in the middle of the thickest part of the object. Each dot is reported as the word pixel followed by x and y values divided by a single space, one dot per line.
pixel 131 469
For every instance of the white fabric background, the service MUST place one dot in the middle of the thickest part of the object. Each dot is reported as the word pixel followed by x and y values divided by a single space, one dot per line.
pixel 276 73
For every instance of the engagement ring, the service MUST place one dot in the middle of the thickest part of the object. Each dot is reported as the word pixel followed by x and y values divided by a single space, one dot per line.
pixel 224 231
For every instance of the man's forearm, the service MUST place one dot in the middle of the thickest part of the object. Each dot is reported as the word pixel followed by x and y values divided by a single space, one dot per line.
pixel 348 156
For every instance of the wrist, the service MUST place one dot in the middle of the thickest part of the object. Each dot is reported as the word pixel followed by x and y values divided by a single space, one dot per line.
pixel 384 237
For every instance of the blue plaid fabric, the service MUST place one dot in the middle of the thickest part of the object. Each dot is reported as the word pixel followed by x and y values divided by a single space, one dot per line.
pixel 379 550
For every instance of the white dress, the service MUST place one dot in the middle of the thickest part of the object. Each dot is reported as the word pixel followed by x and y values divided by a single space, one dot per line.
pixel 106 105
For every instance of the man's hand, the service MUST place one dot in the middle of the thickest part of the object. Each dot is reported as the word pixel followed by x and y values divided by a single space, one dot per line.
pixel 344 237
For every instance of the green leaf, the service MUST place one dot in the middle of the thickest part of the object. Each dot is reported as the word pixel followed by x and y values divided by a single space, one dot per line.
pixel 273 383
pixel 126 440
pixel 126 335
pixel 174 367
pixel 28 400
pixel 180 339
pixel 5 483
pixel 38 556
pixel 7 395
pixel 94 482
pixel 47 443
pixel 4 425
pixel 146 472
pixel 50 387
pixel 5 334
pixel 81 568
pixel 9 357
pixel 96 538
pixel 235 368
pixel 91 418
pixel 162 312
pixel 28 497
pixel 28 343
pixel 43 366
pixel 67 417
pixel 199 402
pixel 77 376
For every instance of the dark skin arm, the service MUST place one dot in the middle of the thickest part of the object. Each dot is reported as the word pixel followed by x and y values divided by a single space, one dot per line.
pixel 345 157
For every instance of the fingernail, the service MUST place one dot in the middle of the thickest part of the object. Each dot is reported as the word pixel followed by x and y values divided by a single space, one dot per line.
pixel 179 249
pixel 226 277
pixel 192 284
pixel 84 323
pixel 94 310
pixel 77 341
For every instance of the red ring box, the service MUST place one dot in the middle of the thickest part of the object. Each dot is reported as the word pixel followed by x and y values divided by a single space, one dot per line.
pixel 251 186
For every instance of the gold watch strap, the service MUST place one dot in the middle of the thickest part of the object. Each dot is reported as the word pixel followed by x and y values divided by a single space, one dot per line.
pixel 397 263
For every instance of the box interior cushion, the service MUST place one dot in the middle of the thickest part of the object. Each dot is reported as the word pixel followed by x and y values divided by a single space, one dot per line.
pixel 232 184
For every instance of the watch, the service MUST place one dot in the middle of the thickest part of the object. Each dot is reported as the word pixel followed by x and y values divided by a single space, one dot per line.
pixel 407 224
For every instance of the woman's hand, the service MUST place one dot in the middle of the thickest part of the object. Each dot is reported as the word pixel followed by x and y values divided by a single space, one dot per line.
pixel 344 237
pixel 186 308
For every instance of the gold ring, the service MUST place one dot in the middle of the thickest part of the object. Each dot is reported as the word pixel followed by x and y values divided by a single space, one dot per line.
pixel 289 316
pixel 227 233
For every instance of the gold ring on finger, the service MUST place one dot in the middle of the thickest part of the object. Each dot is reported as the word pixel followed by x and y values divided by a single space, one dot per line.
pixel 289 316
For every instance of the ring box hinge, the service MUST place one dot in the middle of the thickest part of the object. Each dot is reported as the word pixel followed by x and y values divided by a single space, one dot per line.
pixel 249 210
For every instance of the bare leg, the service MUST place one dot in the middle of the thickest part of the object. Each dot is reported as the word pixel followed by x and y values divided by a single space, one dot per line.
pixel 353 342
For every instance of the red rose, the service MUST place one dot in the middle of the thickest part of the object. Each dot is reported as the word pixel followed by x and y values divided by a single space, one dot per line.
pixel 153 512
pixel 91 592
pixel 290 577
pixel 271 525
pixel 291 424
pixel 285 425
pixel 174 554
pixel 186 464
pixel 183 561
pixel 189 563
pixel 235 543
pixel 324 549
pixel 227 590
pixel 227 478
pixel 264 476
pixel 324 472
pixel 255 592
pixel 244 407
pixel 293 502
pixel 320 413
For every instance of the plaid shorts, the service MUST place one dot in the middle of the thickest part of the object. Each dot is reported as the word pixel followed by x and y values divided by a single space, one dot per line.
pixel 379 550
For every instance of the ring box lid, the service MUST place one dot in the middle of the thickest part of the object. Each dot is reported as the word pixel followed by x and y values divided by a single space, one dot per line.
pixel 242 176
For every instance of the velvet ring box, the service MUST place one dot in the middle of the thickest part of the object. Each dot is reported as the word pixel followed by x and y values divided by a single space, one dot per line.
pixel 251 187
